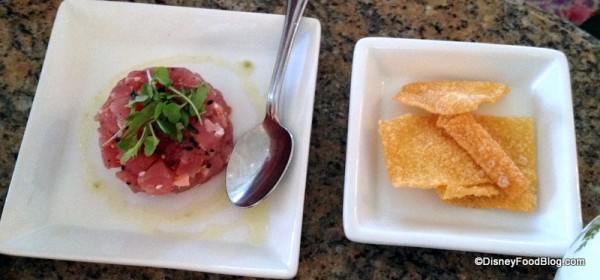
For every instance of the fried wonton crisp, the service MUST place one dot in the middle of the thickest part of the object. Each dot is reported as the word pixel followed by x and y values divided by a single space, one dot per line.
pixel 517 137
pixel 451 97
pixel 486 152
pixel 420 154
pixel 456 191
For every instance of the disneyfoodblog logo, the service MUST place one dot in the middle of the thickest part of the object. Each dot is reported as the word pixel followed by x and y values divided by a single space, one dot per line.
pixel 489 261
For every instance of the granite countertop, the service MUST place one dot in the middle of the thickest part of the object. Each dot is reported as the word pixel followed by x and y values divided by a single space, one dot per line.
pixel 325 252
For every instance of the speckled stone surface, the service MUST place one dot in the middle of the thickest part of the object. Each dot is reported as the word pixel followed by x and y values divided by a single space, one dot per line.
pixel 325 252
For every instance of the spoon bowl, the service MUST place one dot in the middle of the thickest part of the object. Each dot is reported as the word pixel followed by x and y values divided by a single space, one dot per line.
pixel 261 156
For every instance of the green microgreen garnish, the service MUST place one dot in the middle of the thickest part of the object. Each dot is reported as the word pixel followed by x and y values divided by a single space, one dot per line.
pixel 164 109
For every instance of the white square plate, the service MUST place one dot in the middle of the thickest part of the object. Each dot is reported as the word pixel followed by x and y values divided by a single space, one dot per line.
pixel 375 212
pixel 63 204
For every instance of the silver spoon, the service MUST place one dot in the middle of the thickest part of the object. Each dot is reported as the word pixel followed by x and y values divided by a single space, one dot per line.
pixel 261 155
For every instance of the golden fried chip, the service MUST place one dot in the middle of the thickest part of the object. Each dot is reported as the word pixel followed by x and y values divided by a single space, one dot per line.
pixel 455 191
pixel 486 152
pixel 515 135
pixel 527 201
pixel 517 138
pixel 418 154
pixel 451 97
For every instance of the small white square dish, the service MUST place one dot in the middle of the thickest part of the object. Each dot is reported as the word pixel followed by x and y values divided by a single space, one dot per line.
pixel 376 212
pixel 63 204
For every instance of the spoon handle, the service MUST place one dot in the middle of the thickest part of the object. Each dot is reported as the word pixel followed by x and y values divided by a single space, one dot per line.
pixel 295 8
